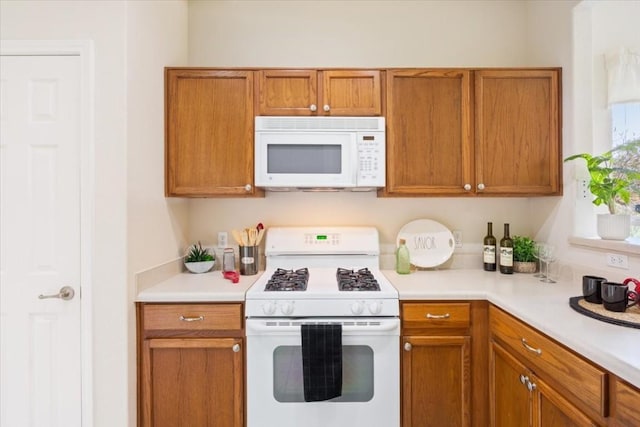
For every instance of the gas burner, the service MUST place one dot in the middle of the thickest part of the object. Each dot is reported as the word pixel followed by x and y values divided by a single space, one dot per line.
pixel 288 280
pixel 360 280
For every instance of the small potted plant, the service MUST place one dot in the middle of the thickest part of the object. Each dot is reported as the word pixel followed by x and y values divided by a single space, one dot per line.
pixel 610 185
pixel 199 260
pixel 524 255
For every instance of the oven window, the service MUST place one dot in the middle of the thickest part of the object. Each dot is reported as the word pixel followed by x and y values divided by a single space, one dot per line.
pixel 357 374
pixel 303 158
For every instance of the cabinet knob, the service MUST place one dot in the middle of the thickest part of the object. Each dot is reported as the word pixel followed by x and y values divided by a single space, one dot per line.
pixel 407 346
pixel 248 188
pixel 326 108
pixel 467 187
pixel 236 348
pixel 313 107
pixel 524 379
pixel 481 186
pixel 531 386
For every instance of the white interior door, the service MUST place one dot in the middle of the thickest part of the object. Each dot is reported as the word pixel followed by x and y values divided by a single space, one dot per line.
pixel 40 138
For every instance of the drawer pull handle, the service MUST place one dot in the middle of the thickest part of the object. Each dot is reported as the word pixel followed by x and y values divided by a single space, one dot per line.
pixel 438 316
pixel 192 319
pixel 531 349
pixel 236 348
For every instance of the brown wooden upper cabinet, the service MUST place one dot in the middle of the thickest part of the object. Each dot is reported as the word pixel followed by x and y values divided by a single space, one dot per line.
pixel 209 116
pixel 307 92
pixel 517 132
pixel 454 132
pixel 429 132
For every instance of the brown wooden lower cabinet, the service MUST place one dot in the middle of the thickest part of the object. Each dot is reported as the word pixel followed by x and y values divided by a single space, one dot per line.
pixel 436 381
pixel 190 365
pixel 444 368
pixel 520 398
pixel 626 405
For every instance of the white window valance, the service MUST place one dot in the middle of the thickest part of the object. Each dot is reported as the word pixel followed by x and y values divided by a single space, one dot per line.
pixel 623 73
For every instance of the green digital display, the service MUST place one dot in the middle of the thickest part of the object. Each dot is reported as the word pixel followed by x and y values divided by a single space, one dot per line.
pixel 321 237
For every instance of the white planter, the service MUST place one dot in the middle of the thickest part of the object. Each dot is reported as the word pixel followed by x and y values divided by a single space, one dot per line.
pixel 614 227
pixel 199 267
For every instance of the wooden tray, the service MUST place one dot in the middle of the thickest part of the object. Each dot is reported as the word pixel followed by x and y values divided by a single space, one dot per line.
pixel 629 318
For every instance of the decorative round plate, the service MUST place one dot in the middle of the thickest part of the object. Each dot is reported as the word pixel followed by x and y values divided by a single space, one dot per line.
pixel 430 243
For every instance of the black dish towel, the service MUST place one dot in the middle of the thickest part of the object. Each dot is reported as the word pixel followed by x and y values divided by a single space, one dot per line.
pixel 321 361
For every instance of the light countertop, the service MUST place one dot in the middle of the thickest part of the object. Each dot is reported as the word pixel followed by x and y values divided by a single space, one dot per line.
pixel 545 306
pixel 542 305
pixel 203 287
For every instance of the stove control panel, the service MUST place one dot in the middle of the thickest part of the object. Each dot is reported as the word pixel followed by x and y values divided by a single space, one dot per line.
pixel 329 239
pixel 289 308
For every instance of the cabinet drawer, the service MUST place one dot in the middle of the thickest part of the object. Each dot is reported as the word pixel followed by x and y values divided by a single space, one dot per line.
pixel 580 379
pixel 436 315
pixel 194 317
pixel 626 405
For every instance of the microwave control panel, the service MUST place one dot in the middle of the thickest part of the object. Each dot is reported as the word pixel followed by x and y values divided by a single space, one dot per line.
pixel 371 159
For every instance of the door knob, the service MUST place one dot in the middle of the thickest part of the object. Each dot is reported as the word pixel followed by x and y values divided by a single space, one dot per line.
pixel 66 293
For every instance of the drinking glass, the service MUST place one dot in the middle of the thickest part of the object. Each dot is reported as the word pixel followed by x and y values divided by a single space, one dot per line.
pixel 538 247
pixel 547 255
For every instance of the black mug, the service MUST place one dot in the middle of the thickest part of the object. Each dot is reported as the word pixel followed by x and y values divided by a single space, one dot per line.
pixel 616 296
pixel 592 288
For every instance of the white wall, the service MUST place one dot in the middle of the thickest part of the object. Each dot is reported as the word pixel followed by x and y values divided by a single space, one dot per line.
pixel 156 226
pixel 135 227
pixel 105 24
pixel 575 36
pixel 358 34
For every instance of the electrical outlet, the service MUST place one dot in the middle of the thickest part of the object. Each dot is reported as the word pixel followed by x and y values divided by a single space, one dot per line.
pixel 582 190
pixel 618 261
pixel 223 239
pixel 457 237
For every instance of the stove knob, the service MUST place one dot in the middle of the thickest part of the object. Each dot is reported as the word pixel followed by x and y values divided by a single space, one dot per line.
pixel 269 308
pixel 375 307
pixel 287 308
pixel 357 308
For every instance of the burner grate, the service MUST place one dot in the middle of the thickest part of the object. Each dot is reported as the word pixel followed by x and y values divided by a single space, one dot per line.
pixel 360 280
pixel 288 280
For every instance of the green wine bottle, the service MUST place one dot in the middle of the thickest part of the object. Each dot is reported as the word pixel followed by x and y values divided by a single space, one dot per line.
pixel 506 252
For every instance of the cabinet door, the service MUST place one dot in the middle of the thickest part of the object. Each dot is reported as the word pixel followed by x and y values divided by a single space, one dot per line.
pixel 288 92
pixel 436 381
pixel 508 395
pixel 429 143
pixel 190 382
pixel 551 409
pixel 351 93
pixel 518 143
pixel 209 132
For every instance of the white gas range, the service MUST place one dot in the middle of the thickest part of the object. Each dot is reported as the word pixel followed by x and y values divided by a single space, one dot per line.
pixel 318 278
pixel 322 258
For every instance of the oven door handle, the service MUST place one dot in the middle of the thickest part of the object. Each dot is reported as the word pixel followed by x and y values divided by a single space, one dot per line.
pixel 260 326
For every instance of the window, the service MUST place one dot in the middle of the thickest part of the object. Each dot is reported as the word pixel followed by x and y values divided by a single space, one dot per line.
pixel 625 124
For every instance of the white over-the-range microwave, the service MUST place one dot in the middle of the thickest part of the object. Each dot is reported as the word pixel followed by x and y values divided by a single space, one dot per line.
pixel 319 153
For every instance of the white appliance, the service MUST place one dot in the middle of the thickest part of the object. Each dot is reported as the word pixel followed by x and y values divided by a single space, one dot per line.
pixel 320 260
pixel 345 153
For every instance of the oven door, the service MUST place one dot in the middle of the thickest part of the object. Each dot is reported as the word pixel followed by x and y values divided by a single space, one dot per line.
pixel 370 370
pixel 306 159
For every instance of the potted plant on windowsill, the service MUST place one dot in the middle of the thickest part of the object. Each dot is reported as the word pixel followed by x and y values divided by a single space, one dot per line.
pixel 199 260
pixel 610 186
pixel 524 255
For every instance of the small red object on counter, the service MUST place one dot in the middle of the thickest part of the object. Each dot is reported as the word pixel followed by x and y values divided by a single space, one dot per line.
pixel 260 226
pixel 231 275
